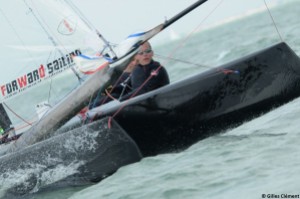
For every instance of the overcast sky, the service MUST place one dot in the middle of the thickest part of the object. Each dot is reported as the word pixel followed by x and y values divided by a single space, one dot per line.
pixel 116 19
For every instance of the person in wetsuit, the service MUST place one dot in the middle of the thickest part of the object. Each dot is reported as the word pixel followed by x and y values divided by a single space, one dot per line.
pixel 148 74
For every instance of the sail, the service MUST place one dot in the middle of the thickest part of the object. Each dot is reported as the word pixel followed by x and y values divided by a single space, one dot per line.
pixel 38 42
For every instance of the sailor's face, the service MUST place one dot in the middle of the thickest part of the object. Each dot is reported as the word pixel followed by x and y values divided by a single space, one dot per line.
pixel 145 54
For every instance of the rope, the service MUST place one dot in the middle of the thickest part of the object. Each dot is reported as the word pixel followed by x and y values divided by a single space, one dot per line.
pixel 182 61
pixel 273 21
pixel 16 114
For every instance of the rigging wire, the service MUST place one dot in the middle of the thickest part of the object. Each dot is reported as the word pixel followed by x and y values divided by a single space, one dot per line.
pixel 181 61
pixel 50 89
pixel 273 21
pixel 17 114
pixel 87 22
pixel 206 66
pixel 49 92
pixel 18 36
pixel 196 29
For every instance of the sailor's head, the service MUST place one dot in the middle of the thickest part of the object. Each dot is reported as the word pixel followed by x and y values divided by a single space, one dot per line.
pixel 145 53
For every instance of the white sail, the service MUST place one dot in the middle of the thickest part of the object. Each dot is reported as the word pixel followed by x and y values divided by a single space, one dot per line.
pixel 38 41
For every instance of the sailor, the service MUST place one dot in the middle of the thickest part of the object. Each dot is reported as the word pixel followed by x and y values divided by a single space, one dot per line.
pixel 148 75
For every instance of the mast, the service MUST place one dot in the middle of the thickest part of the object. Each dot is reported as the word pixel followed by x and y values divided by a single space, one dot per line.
pixel 145 36
pixel 182 13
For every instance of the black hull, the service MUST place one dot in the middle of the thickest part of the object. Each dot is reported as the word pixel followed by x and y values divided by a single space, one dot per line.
pixel 178 115
pixel 168 119
pixel 81 156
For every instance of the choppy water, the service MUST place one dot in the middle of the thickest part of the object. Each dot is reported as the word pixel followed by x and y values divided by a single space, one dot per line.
pixel 259 157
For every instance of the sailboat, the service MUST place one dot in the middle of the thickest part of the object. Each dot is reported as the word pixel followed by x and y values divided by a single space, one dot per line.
pixel 167 119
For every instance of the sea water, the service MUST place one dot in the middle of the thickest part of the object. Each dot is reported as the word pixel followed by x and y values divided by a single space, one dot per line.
pixel 258 159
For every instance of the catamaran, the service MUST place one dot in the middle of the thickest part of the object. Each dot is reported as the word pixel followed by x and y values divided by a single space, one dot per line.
pixel 93 146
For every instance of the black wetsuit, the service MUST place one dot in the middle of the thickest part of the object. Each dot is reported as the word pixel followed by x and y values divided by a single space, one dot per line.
pixel 141 73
